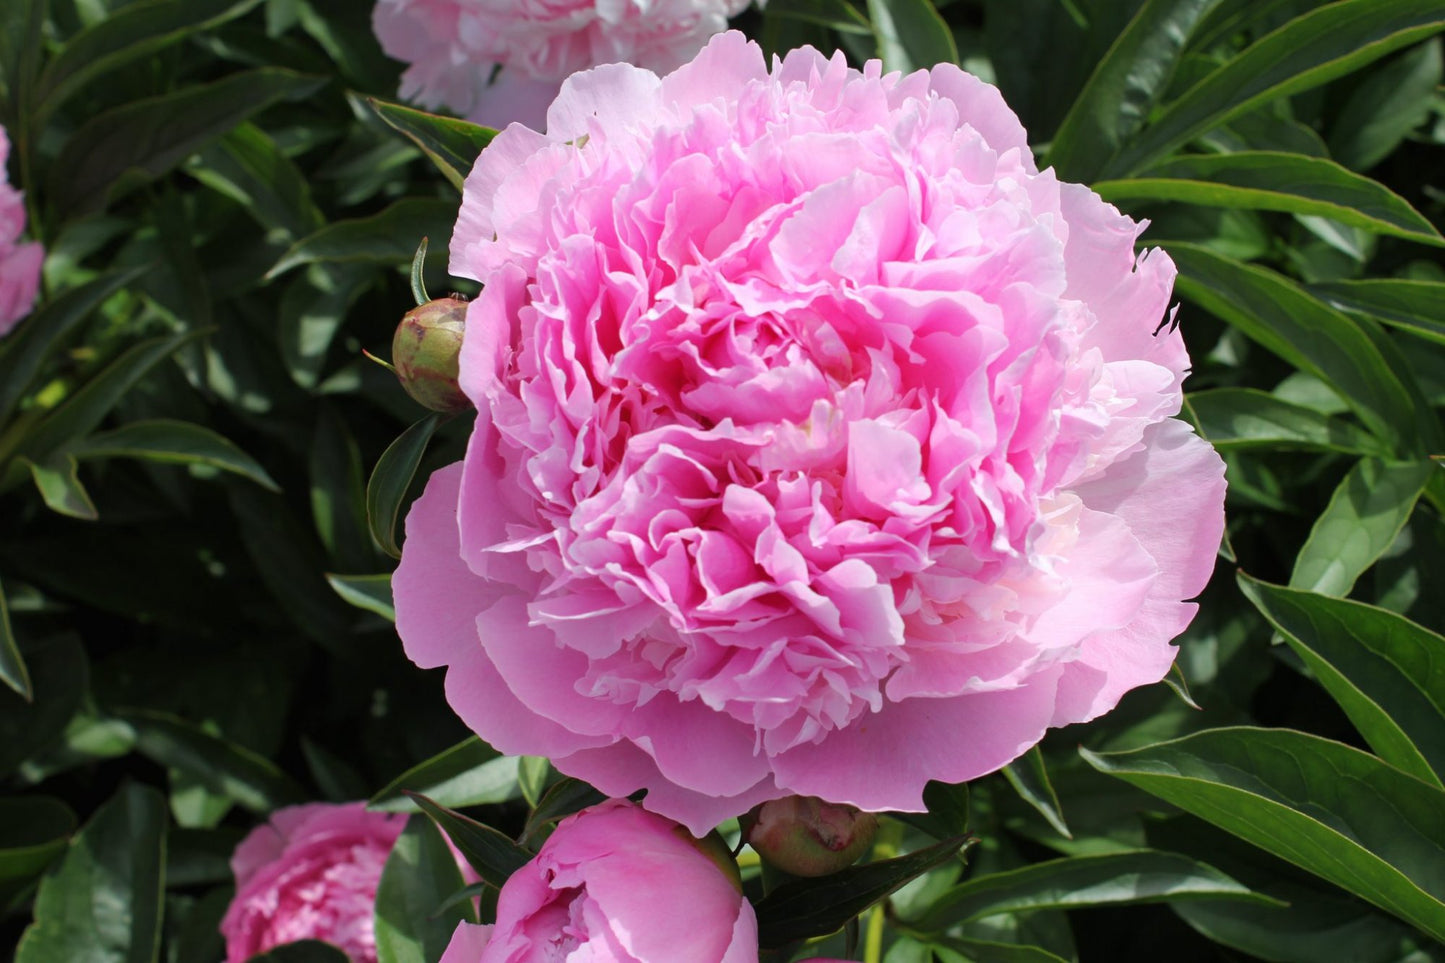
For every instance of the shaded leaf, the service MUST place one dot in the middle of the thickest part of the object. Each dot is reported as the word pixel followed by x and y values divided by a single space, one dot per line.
pixel 388 237
pixel 414 922
pixel 451 144
pixel 302 951
pixel 12 666
pixel 59 674
pixel 911 35
pixel 104 903
pixel 369 592
pixel 1414 306
pixel 1029 776
pixel 1248 418
pixel 566 797
pixel 1330 809
pixel 1271 181
pixel 33 832
pixel 1312 49
pixel 1385 107
pixel 469 773
pixel 1365 513
pixel 494 856
pixel 392 477
pixel 60 486
pixel 1386 672
pixel 801 909
pixel 172 442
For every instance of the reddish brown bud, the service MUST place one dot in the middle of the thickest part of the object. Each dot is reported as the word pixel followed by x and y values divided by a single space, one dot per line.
pixel 805 836
pixel 426 350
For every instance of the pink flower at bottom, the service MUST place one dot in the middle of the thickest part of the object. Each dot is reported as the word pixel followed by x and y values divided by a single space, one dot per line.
pixel 824 445
pixel 617 884
pixel 310 873
pixel 19 263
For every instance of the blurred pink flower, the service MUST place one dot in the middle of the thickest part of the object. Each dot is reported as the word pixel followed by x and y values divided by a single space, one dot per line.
pixel 19 263
pixel 823 443
pixel 455 47
pixel 310 873
pixel 616 884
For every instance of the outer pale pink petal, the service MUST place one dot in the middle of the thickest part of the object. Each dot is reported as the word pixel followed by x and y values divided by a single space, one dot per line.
pixel 261 847
pixel 881 762
pixel 606 98
pixel 744 945
pixel 725 65
pixel 697 747
pixel 514 98
pixel 436 594
pixel 1111 663
pixel 468 941
pixel 1171 494
pixel 508 151
pixel 982 107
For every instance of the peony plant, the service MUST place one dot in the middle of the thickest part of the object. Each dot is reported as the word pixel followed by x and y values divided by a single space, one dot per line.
pixel 824 444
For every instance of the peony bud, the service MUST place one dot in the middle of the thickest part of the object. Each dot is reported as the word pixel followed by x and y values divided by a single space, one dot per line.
pixel 425 352
pixel 806 836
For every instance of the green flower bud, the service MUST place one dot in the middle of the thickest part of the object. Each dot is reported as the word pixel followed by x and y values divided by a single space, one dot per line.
pixel 806 836
pixel 425 353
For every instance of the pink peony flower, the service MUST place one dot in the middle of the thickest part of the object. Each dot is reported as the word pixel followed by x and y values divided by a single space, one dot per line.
pixel 310 874
pixel 19 263
pixel 616 884
pixel 455 47
pixel 823 443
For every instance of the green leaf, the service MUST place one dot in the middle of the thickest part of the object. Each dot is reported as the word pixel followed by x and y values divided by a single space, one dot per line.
pixel 249 167
pixel 801 909
pixel 23 353
pixel 220 766
pixel 532 774
pixel 79 414
pixel 1030 778
pixel 137 142
pixel 470 773
pixel 451 144
pixel 60 486
pixel 1386 672
pixel 987 951
pixel 566 797
pixel 911 35
pixel 1312 49
pixel 313 308
pixel 337 493
pixel 104 903
pixel 947 810
pixel 22 46
pixel 12 666
pixel 392 477
pixel 494 857
pixel 1414 306
pixel 836 15
pixel 1271 181
pixel 1282 316
pixel 33 832
pixel 1124 87
pixel 1365 513
pixel 302 951
pixel 1247 418
pixel 128 34
pixel 172 442
pixel 1384 108
pixel 1330 809
pixel 413 921
pixel 387 237
pixel 369 592
pixel 1075 882
pixel 59 680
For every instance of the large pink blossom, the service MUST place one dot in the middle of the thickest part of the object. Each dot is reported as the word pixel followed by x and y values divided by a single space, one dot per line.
pixel 498 61
pixel 617 884
pixel 310 873
pixel 823 443
pixel 19 263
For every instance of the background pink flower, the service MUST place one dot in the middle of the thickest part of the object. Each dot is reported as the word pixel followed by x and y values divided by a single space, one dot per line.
pixel 617 883
pixel 310 873
pixel 823 443
pixel 455 47
pixel 19 263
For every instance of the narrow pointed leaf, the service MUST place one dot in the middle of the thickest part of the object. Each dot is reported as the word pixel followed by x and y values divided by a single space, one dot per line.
pixel 1248 418
pixel 104 903
pixel 388 237
pixel 470 773
pixel 801 909
pixel 1313 49
pixel 172 442
pixel 1333 810
pixel 566 797
pixel 1029 776
pixel 1414 306
pixel 987 951
pixel 1382 110
pixel 392 477
pixel 369 592
pixel 1279 314
pixel 1385 671
pixel 451 144
pixel 60 486
pixel 911 35
pixel 1111 879
pixel 1272 181
pixel 1125 86
pixel 1365 513
pixel 33 832
pixel 492 854
pixel 414 921
pixel 12 666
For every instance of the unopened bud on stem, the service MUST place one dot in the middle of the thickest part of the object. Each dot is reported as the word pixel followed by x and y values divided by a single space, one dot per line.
pixel 805 836
pixel 426 352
